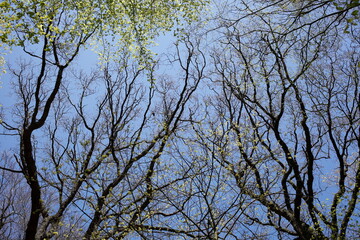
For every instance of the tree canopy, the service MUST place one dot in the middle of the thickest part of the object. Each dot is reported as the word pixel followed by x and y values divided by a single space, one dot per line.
pixel 248 128
pixel 67 23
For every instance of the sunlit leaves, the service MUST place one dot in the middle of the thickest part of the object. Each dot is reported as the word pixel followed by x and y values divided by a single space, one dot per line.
pixel 130 24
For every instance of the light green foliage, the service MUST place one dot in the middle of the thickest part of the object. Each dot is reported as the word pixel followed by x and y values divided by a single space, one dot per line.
pixel 131 23
pixel 352 7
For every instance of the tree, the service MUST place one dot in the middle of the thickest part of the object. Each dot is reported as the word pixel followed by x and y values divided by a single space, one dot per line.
pixel 287 107
pixel 97 158
pixel 13 209
pixel 253 133
pixel 52 34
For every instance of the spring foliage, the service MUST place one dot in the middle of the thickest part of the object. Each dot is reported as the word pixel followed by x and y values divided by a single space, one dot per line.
pixel 132 24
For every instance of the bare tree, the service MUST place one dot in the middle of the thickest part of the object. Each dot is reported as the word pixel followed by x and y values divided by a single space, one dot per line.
pixel 287 125
pixel 13 195
pixel 98 156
